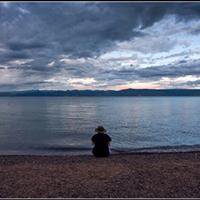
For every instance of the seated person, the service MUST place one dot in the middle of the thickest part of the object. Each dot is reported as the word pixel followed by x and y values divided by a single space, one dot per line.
pixel 101 142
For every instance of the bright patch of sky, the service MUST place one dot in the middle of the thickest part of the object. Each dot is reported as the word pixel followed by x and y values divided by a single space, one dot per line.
pixel 166 42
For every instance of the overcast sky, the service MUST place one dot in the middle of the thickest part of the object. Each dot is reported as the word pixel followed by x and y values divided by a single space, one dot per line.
pixel 61 46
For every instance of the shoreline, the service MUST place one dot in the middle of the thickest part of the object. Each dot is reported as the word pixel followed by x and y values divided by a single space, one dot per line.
pixel 127 175
pixel 80 151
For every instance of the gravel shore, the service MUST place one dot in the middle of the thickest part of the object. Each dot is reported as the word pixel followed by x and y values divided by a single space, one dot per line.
pixel 166 175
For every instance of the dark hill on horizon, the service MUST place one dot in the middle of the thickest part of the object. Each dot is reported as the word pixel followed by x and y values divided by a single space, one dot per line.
pixel 126 92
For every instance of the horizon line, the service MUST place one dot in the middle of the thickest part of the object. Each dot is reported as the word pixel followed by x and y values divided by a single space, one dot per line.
pixel 41 90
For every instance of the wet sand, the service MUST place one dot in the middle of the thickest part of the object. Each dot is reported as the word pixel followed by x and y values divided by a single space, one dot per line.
pixel 166 175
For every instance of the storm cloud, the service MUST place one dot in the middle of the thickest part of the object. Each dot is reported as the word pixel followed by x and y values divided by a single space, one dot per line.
pixel 94 45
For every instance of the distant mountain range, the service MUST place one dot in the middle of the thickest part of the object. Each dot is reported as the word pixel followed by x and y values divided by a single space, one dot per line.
pixel 127 92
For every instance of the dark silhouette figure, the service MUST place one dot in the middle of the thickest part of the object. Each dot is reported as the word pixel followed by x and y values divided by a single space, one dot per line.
pixel 101 142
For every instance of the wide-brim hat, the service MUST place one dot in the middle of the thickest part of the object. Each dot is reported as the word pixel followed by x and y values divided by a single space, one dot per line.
pixel 100 129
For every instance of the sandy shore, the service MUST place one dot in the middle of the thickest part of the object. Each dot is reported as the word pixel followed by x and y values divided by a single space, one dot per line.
pixel 126 175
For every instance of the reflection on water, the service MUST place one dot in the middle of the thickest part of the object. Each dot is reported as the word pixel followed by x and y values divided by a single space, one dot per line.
pixel 35 124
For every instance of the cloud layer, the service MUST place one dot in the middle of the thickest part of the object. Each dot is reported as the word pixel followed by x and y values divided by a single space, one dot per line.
pixel 99 45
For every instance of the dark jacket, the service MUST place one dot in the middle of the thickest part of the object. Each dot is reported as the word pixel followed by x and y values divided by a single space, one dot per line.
pixel 101 142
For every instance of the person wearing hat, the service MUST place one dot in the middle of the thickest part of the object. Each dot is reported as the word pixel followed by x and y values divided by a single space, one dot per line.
pixel 101 142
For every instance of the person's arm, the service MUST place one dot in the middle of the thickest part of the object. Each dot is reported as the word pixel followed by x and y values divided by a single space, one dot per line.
pixel 109 140
pixel 92 140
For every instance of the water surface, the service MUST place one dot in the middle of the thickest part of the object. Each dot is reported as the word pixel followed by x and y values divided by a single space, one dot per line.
pixel 62 125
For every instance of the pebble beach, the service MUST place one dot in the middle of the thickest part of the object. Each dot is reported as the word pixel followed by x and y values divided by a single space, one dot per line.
pixel 139 175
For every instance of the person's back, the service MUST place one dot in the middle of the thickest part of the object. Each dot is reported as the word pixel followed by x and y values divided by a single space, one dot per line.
pixel 101 142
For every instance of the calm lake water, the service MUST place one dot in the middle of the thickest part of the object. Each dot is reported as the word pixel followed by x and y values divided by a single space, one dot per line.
pixel 64 125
